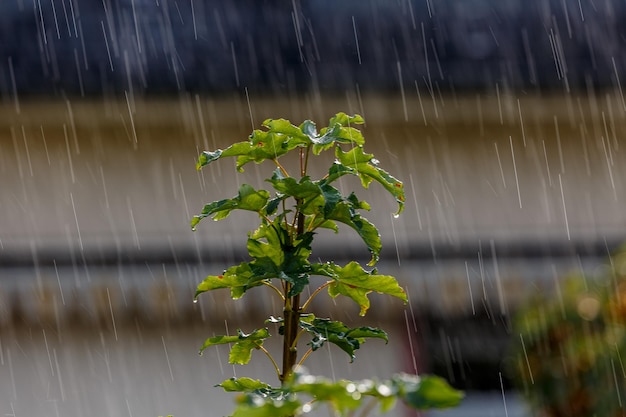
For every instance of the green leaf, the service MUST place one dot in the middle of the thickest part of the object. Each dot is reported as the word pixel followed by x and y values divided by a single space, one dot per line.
pixel 276 259
pixel 346 338
pixel 335 394
pixel 241 352
pixel 284 127
pixel 346 120
pixel 269 145
pixel 236 149
pixel 365 167
pixel 273 408
pixel 239 278
pixel 244 384
pixel 344 212
pixel 207 157
pixel 247 199
pixel 305 189
pixel 339 131
pixel 356 283
pixel 343 397
pixel 426 392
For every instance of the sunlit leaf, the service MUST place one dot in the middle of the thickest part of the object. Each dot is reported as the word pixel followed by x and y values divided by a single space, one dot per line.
pixel 207 157
pixel 274 258
pixel 305 189
pixel 285 127
pixel 247 199
pixel 236 149
pixel 243 384
pixel 269 145
pixel 325 391
pixel 344 212
pixel 356 283
pixel 426 392
pixel 241 351
pixel 282 408
pixel 343 397
pixel 239 278
pixel 346 120
pixel 335 332
pixel 364 166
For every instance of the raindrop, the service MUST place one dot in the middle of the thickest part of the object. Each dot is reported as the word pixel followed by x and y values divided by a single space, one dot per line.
pixel 506 411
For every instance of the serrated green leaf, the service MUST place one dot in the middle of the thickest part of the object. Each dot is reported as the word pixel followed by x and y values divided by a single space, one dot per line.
pixel 346 120
pixel 272 205
pixel 346 338
pixel 247 199
pixel 356 283
pixel 241 352
pixel 236 149
pixel 325 391
pixel 426 392
pixel 343 397
pixel 364 166
pixel 239 278
pixel 243 384
pixel 305 189
pixel 285 127
pixel 269 145
pixel 284 408
pixel 276 259
pixel 344 212
pixel 207 157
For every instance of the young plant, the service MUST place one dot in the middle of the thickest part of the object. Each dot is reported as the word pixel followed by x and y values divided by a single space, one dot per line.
pixel 280 249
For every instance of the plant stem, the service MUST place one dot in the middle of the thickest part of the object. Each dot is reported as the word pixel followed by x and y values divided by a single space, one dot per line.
pixel 292 319
pixel 292 304
pixel 266 283
pixel 270 358
pixel 317 291
pixel 282 169
pixel 306 355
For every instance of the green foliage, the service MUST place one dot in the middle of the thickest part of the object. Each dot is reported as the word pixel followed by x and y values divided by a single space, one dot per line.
pixel 241 352
pixel 304 392
pixel 569 355
pixel 335 332
pixel 280 249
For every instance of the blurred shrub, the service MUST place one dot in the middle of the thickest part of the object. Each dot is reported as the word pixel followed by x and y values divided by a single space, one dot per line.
pixel 569 348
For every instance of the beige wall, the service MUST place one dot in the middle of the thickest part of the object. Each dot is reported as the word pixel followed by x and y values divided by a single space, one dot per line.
pixel 98 175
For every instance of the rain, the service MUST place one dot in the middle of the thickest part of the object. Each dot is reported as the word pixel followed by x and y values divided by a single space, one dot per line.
pixel 503 119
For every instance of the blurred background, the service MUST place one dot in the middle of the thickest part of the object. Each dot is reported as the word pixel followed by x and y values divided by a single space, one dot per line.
pixel 503 119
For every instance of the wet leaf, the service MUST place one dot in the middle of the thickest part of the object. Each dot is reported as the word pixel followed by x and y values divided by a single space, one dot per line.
pixel 244 384
pixel 335 332
pixel 305 189
pixel 275 257
pixel 356 283
pixel 282 408
pixel 285 127
pixel 268 145
pixel 248 199
pixel 426 392
pixel 241 351
pixel 207 157
pixel 344 212
pixel 239 278
pixel 356 162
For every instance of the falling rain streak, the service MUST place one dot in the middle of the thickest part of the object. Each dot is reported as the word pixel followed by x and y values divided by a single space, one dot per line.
pixel 107 104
